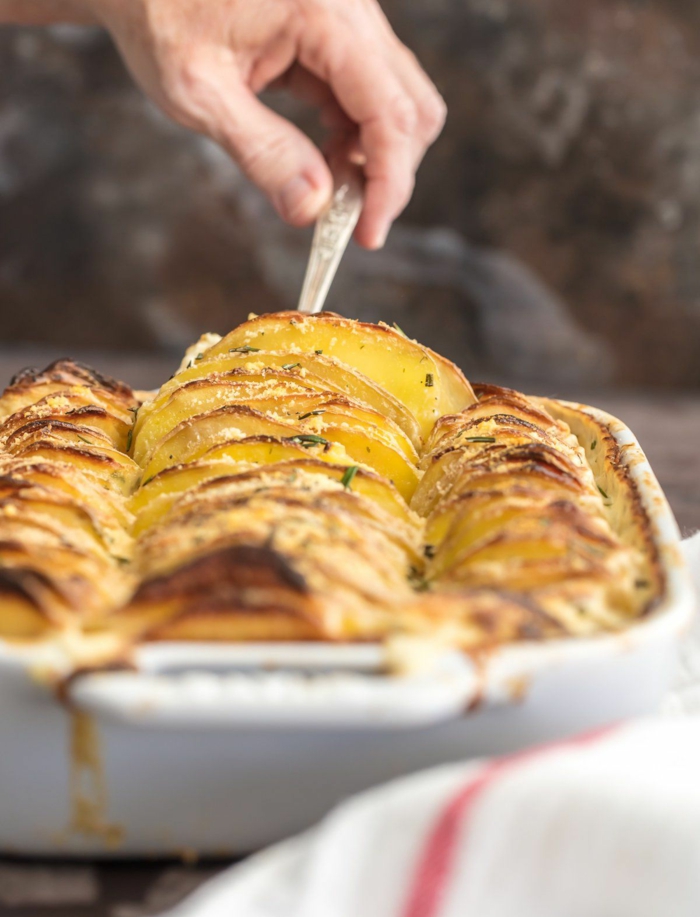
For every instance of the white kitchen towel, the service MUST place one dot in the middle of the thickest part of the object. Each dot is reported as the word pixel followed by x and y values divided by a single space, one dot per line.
pixel 602 825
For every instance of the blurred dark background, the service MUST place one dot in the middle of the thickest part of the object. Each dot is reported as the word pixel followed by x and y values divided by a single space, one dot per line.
pixel 552 240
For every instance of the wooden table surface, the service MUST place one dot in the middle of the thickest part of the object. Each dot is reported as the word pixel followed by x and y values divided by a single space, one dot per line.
pixel 668 427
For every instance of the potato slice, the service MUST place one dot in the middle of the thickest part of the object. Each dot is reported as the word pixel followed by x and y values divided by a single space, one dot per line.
pixel 77 523
pixel 315 414
pixel 319 493
pixel 225 459
pixel 194 436
pixel 331 551
pixel 65 478
pixel 268 450
pixel 59 577
pixel 31 385
pixel 263 379
pixel 284 400
pixel 362 493
pixel 155 498
pixel 22 618
pixel 200 397
pixel 109 467
pixel 73 408
pixel 15 401
pixel 499 448
pixel 316 370
pixel 464 522
pixel 362 441
pixel 427 384
pixel 385 459
pixel 56 431
pixel 533 548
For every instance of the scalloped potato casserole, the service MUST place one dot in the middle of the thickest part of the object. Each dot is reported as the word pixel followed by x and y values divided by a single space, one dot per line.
pixel 311 478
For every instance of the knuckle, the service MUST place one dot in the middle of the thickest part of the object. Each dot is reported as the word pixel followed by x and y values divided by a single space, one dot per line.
pixel 184 77
pixel 403 115
pixel 434 115
pixel 258 152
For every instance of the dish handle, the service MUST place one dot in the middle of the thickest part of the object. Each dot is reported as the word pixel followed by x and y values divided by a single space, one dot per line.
pixel 293 686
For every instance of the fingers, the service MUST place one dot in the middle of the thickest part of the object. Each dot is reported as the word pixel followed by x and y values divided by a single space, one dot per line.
pixel 278 158
pixel 310 89
pixel 271 151
pixel 430 105
pixel 396 108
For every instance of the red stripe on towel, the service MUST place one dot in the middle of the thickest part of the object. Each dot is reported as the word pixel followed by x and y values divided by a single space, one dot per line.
pixel 436 861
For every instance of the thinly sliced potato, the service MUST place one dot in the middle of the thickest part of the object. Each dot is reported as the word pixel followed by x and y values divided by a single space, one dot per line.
pixel 201 397
pixel 65 478
pixel 262 379
pixel 196 435
pixel 319 543
pixel 81 582
pixel 385 459
pixel 427 384
pixel 109 467
pixel 55 431
pixel 31 395
pixel 192 438
pixel 154 499
pixel 77 522
pixel 315 413
pixel 268 450
pixel 228 458
pixel 303 483
pixel 73 408
pixel 312 368
pixel 31 385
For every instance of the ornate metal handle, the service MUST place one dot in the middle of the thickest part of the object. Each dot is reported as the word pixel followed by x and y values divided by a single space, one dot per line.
pixel 331 236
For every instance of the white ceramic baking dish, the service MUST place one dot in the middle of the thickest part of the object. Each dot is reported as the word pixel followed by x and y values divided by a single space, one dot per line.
pixel 222 749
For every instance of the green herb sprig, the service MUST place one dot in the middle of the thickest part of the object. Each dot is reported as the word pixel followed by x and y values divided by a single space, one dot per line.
pixel 349 476
pixel 309 439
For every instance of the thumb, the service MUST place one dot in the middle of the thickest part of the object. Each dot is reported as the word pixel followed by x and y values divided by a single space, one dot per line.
pixel 276 156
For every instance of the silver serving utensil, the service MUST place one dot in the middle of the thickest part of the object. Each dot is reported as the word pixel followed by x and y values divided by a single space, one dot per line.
pixel 331 236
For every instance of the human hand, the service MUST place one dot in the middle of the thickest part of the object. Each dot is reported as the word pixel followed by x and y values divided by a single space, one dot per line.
pixel 204 63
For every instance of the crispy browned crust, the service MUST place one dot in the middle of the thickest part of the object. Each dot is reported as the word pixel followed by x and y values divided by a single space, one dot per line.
pixel 240 592
pixel 482 619
pixel 70 372
pixel 236 568
pixel 64 537
pixel 637 527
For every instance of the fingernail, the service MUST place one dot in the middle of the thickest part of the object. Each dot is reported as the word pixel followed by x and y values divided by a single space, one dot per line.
pixel 380 235
pixel 299 201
